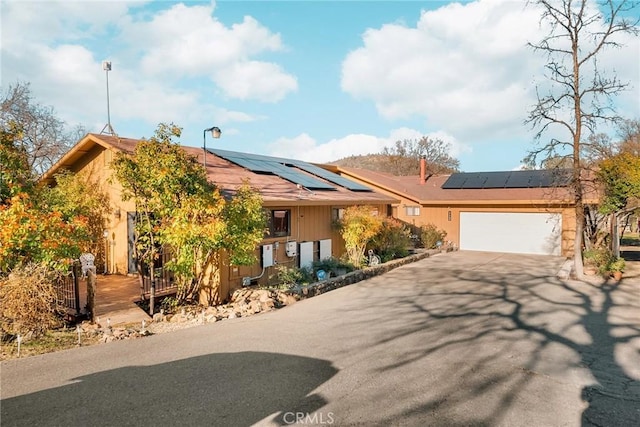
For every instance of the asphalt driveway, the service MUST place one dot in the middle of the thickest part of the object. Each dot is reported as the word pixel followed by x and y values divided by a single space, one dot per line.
pixel 464 338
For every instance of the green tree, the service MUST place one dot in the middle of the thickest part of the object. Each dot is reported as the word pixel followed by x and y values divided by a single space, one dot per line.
pixel 620 176
pixel 576 102
pixel 81 196
pixel 15 173
pixel 31 233
pixel 178 208
pixel 358 226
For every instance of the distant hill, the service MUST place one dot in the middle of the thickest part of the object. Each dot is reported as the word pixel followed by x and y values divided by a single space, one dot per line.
pixel 392 164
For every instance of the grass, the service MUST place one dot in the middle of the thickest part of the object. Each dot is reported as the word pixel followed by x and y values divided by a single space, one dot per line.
pixel 56 340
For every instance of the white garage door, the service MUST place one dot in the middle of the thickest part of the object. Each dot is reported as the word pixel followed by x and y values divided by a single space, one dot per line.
pixel 527 233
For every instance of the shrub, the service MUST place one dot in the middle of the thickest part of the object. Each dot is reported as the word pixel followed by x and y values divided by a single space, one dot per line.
pixel 358 225
pixel 596 257
pixel 615 264
pixel 333 265
pixel 430 236
pixel 392 240
pixel 30 303
pixel 288 277
pixel 169 304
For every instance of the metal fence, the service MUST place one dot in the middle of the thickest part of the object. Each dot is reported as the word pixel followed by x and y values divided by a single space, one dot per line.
pixel 68 289
pixel 163 279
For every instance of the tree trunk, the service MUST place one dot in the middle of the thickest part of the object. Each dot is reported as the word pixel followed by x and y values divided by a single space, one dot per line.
pixel 578 265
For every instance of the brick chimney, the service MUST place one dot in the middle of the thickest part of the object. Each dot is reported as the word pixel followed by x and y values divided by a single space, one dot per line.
pixel 423 170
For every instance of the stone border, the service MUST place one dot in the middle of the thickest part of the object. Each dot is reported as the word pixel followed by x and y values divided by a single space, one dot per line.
pixel 318 288
pixel 244 302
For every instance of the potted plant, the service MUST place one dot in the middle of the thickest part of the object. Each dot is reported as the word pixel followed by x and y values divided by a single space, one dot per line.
pixel 616 267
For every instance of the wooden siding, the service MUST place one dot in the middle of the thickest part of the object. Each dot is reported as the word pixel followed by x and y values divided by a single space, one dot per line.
pixel 308 224
pixel 439 214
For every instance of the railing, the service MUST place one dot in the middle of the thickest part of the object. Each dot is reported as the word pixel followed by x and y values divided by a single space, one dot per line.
pixel 159 276
pixel 68 288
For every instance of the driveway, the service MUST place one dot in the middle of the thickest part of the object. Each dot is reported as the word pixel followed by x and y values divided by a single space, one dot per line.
pixel 464 338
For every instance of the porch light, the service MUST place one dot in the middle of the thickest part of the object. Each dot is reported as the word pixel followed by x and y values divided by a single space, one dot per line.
pixel 215 133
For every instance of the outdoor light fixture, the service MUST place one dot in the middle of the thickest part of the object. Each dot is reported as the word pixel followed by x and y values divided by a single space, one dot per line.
pixel 215 133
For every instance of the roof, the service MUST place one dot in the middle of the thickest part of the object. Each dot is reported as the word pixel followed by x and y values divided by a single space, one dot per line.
pixel 434 191
pixel 224 170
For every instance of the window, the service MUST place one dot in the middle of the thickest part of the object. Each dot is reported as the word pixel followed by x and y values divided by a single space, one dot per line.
pixel 412 210
pixel 280 223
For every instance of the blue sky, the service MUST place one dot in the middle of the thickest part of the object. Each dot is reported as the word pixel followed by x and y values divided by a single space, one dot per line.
pixel 312 80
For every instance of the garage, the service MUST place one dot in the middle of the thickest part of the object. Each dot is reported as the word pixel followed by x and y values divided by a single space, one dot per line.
pixel 527 233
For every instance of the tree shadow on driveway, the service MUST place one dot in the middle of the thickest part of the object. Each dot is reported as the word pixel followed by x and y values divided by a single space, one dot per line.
pixel 223 389
pixel 504 349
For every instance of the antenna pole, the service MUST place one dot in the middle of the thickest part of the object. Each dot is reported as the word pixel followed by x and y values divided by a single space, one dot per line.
pixel 106 66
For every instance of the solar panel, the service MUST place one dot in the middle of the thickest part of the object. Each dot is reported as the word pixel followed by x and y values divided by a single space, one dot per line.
pixel 252 165
pixel 475 180
pixel 455 181
pixel 272 165
pixel 519 179
pixel 555 178
pixel 305 180
pixel 331 177
pixel 536 178
pixel 496 179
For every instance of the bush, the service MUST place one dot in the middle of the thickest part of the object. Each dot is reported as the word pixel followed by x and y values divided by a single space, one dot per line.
pixel 29 300
pixel 603 260
pixel 333 265
pixel 392 240
pixel 597 258
pixel 616 264
pixel 430 236
pixel 358 225
pixel 288 277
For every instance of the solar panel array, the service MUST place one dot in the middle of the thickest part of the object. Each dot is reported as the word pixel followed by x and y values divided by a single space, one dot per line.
pixel 288 169
pixel 510 179
pixel 330 176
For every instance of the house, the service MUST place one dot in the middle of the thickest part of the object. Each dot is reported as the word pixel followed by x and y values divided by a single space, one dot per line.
pixel 302 200
pixel 513 211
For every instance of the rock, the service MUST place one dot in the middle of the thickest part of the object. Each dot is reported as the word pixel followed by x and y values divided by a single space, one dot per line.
pixel 158 317
pixel 286 299
pixel 267 305
pixel 178 318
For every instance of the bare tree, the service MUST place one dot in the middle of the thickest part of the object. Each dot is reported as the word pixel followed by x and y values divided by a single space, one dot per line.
pixel 630 137
pixel 579 96
pixel 43 136
pixel 405 156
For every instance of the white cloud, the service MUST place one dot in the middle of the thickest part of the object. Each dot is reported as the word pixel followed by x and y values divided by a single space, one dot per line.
pixel 304 147
pixel 465 68
pixel 153 52
pixel 255 80
pixel 188 41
